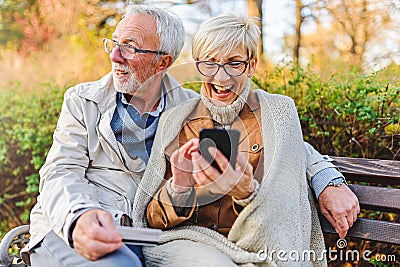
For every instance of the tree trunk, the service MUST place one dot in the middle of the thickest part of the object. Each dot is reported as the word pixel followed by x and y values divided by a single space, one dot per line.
pixel 254 8
pixel 297 40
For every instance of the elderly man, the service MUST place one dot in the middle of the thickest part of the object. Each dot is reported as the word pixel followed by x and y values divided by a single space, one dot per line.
pixel 102 144
pixel 103 141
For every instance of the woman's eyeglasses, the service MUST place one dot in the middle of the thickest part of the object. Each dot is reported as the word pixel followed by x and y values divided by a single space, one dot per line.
pixel 232 68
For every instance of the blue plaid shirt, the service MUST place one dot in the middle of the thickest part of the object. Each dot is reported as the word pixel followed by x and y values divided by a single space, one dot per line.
pixel 148 122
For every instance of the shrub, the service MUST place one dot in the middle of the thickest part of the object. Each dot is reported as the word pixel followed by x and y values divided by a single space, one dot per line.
pixel 27 121
pixel 349 115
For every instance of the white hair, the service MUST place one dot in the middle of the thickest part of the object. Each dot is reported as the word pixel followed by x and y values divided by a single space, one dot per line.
pixel 170 28
pixel 224 33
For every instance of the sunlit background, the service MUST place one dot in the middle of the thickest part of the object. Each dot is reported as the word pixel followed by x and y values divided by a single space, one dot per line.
pixel 59 41
pixel 338 59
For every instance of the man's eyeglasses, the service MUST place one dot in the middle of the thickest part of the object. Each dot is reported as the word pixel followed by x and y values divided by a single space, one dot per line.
pixel 232 68
pixel 127 51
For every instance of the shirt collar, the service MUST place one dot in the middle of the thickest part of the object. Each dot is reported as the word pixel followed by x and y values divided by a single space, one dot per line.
pixel 160 107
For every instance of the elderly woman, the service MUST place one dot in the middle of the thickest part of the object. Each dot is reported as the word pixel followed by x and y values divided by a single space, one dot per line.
pixel 248 213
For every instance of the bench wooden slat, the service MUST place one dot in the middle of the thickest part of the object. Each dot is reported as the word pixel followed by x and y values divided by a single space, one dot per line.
pixel 369 170
pixel 377 198
pixel 382 172
pixel 380 231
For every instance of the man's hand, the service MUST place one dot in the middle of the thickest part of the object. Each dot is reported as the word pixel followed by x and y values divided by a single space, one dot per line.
pixel 340 207
pixel 95 234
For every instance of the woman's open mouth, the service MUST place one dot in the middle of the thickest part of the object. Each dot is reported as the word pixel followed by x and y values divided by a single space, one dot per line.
pixel 222 90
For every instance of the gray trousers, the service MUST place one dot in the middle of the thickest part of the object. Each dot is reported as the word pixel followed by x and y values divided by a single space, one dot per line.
pixel 54 252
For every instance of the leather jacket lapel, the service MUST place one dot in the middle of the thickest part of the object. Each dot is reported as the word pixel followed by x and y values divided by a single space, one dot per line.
pixel 198 119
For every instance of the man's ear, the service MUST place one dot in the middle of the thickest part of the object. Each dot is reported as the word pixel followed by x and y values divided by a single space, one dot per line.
pixel 164 62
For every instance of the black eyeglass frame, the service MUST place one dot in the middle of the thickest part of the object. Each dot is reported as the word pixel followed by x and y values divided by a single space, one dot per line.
pixel 246 63
pixel 137 50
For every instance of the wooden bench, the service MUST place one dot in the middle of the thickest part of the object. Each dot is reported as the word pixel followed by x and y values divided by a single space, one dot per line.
pixel 376 183
pixel 376 196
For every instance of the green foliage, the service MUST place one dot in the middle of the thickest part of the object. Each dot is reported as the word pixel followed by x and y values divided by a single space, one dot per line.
pixel 27 122
pixel 375 262
pixel 5 226
pixel 346 115
pixel 194 85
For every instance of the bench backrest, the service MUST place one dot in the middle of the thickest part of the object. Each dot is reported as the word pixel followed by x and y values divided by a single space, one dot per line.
pixel 376 196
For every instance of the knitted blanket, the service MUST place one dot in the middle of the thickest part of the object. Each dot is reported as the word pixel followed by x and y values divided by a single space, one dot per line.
pixel 279 227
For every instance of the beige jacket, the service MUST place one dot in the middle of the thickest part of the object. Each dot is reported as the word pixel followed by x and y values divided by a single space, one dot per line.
pixel 86 166
pixel 282 216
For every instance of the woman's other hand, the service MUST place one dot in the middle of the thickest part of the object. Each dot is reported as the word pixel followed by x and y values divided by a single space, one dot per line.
pixel 181 166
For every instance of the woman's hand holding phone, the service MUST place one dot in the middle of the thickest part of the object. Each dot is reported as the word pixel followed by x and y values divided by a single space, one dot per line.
pixel 220 167
pixel 221 176
pixel 236 182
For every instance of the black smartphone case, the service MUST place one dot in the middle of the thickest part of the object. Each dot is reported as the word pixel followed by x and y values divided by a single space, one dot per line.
pixel 225 140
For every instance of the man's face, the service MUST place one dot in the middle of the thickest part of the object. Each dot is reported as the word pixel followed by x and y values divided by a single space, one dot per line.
pixel 139 31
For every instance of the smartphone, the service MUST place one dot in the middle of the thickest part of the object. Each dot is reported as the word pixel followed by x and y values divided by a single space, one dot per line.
pixel 225 140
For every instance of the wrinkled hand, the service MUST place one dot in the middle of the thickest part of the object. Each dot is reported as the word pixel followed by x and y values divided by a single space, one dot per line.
pixel 181 166
pixel 95 234
pixel 237 182
pixel 340 207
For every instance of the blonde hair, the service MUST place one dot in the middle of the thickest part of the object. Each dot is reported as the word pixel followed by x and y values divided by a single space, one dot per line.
pixel 223 34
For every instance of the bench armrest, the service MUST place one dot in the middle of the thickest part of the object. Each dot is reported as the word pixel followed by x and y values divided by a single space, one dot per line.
pixel 16 236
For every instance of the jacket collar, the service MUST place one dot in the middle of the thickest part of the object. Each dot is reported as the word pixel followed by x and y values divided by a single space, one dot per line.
pixel 103 93
pixel 201 117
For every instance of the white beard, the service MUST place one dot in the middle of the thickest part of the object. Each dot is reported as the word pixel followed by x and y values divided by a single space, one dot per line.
pixel 123 85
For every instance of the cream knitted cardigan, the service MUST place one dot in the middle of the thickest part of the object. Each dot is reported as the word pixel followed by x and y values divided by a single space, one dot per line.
pixel 279 218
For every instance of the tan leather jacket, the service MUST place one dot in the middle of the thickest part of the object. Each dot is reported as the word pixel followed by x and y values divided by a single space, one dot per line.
pixel 218 215
pixel 86 166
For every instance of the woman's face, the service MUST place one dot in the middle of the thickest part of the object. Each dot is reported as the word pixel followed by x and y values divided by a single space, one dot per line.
pixel 222 89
